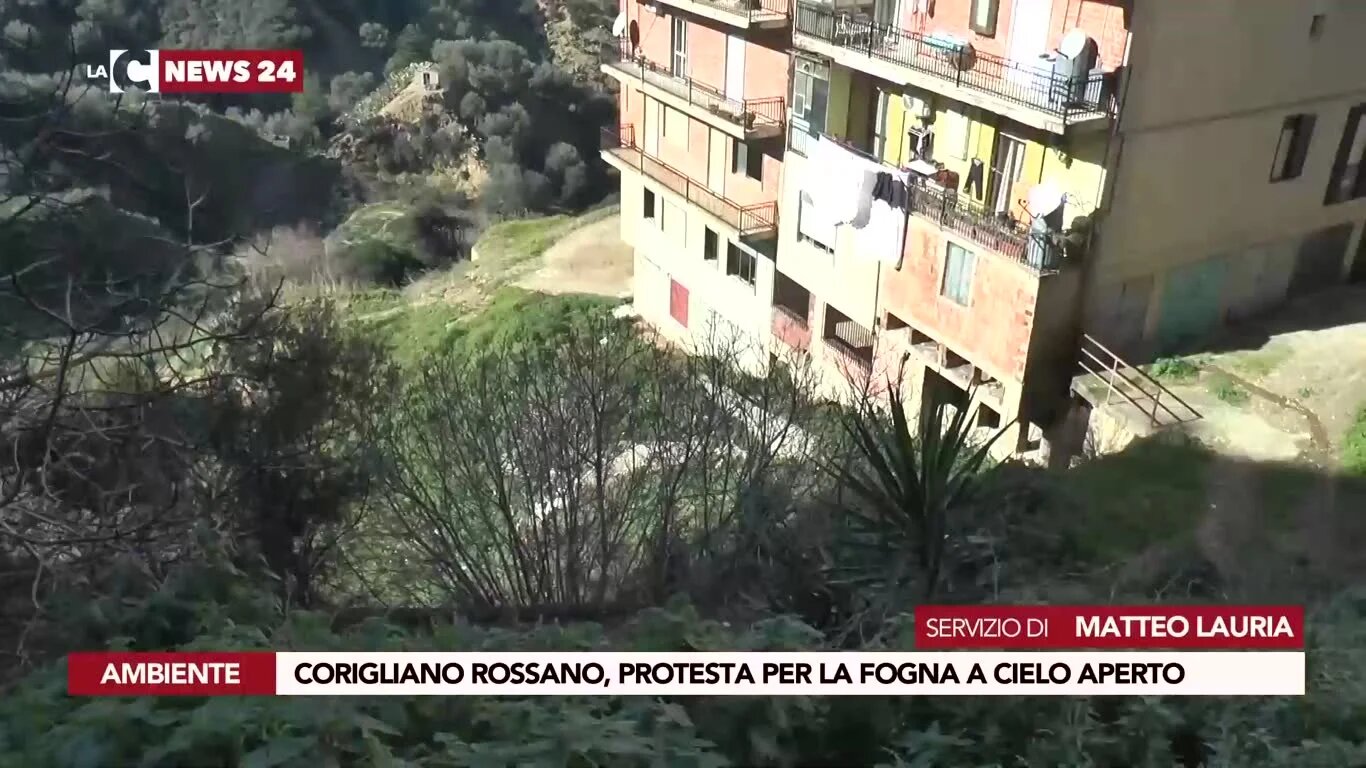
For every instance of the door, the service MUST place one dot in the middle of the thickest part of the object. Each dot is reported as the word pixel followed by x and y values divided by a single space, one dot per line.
pixel 1318 264
pixel 654 125
pixel 1192 298
pixel 1029 38
pixel 735 68
pixel 1007 165
pixel 680 47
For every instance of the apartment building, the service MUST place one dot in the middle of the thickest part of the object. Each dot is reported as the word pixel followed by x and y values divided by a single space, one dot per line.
pixel 700 146
pixel 1051 181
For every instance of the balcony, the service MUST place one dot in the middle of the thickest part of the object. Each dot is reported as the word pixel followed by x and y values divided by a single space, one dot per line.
pixel 759 221
pixel 1039 251
pixel 741 14
pixel 1018 90
pixel 744 119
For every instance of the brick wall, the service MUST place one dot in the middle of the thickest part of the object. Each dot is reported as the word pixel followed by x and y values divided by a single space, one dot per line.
pixel 993 331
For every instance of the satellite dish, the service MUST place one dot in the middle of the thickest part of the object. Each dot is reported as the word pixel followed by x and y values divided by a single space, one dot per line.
pixel 619 26
pixel 1044 199
pixel 1073 43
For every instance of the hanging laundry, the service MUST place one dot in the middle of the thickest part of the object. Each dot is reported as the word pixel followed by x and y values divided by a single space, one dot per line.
pixel 976 172
pixel 883 236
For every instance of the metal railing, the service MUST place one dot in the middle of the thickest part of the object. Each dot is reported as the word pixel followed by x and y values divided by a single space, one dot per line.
pixel 750 10
pixel 1040 251
pixel 1133 385
pixel 1068 98
pixel 770 111
pixel 748 220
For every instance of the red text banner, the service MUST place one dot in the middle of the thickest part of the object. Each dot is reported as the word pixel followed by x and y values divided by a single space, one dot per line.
pixel 1084 627
pixel 231 71
pixel 171 674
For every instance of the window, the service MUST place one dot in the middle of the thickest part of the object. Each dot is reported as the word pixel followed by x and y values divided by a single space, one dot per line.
pixel 1316 26
pixel 984 16
pixel 678 302
pixel 747 159
pixel 1347 182
pixel 958 264
pixel 649 209
pixel 680 47
pixel 1292 148
pixel 741 264
pixel 809 231
pixel 810 93
pixel 710 248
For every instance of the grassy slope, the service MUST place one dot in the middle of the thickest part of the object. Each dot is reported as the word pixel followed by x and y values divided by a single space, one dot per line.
pixel 474 297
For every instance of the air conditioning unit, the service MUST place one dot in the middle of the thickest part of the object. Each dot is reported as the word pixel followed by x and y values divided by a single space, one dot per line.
pixel 917 107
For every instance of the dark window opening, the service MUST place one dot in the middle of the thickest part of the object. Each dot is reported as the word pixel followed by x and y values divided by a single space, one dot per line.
pixel 649 208
pixel 741 264
pixel 790 297
pixel 988 418
pixel 710 244
pixel 1347 182
pixel 747 159
pixel 1316 26
pixel 1292 148
pixel 848 337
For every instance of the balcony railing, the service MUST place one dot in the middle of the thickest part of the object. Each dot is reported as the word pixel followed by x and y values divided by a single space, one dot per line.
pixel 752 11
pixel 749 113
pixel 760 219
pixel 1068 98
pixel 999 232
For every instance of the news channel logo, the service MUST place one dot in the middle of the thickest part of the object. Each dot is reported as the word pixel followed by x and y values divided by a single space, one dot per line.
pixel 132 69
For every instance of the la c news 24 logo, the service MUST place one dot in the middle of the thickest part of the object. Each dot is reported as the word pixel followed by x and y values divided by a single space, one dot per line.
pixel 130 69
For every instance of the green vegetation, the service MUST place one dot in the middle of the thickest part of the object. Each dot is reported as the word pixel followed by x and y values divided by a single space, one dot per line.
pixel 1174 369
pixel 1118 505
pixel 1262 362
pixel 1227 390
pixel 1354 445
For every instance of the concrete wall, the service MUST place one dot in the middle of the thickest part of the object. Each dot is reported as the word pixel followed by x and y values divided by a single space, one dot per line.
pixel 675 252
pixel 1196 233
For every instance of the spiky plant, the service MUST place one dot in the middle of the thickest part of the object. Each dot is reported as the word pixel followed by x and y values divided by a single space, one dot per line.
pixel 902 486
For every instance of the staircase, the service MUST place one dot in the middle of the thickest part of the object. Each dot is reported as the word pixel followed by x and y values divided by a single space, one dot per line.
pixel 1109 383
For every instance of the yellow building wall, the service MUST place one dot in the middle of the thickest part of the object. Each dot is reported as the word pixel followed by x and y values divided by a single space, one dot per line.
pixel 837 106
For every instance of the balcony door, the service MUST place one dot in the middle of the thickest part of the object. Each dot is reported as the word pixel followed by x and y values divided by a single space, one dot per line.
pixel 735 68
pixel 887 14
pixel 1007 166
pixel 1029 39
pixel 680 47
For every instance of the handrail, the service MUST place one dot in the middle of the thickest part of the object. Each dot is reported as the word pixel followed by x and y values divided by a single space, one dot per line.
pixel 1014 81
pixel 1002 234
pixel 770 110
pixel 756 219
pixel 1115 366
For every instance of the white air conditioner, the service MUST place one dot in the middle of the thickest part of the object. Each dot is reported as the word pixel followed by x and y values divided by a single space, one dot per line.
pixel 917 107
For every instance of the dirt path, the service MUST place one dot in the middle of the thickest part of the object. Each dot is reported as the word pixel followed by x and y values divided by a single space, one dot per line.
pixel 591 259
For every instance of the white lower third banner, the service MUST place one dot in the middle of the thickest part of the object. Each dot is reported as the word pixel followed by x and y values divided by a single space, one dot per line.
pixel 957 673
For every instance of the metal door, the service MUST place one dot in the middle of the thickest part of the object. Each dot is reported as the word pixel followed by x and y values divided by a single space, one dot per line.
pixel 1192 303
